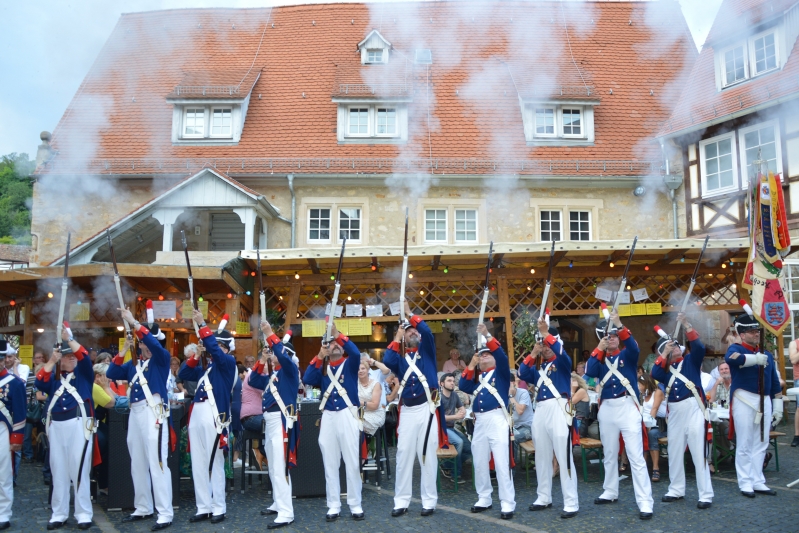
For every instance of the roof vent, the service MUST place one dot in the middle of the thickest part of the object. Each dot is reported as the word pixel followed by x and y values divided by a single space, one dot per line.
pixel 424 56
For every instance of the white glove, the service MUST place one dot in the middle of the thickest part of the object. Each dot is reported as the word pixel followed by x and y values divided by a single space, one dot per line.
pixel 753 359
pixel 776 411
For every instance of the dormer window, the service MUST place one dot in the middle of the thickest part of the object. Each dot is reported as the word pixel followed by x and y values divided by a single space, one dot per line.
pixel 559 124
pixel 374 49
pixel 222 122
pixel 194 122
pixel 744 60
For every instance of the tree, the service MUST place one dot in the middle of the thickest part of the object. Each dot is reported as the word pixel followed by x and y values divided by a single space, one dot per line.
pixel 16 198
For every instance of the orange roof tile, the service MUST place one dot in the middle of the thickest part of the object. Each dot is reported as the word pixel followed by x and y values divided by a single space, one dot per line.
pixel 485 55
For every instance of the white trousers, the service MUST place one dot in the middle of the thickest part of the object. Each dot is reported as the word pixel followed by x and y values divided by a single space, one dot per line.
pixel 150 479
pixel 67 441
pixel 491 438
pixel 687 427
pixel 410 443
pixel 620 416
pixel 749 450
pixel 276 455
pixel 209 493
pixel 551 435
pixel 6 478
pixel 338 439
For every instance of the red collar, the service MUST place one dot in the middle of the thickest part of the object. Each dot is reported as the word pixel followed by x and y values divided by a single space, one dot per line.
pixel 617 352
pixel 677 361
pixel 551 359
pixel 410 350
pixel 748 347
pixel 336 363
pixel 3 373
pixel 275 368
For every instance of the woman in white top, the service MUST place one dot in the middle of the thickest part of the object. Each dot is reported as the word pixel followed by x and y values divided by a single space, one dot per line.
pixel 655 408
pixel 369 395
pixel 15 367
pixel 171 380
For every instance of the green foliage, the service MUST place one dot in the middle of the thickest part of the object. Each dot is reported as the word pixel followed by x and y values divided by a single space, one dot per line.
pixel 275 318
pixel 16 196
pixel 524 330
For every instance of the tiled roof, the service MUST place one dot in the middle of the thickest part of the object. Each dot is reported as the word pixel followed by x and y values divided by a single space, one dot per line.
pixel 736 16
pixel 464 116
pixel 703 104
pixel 14 252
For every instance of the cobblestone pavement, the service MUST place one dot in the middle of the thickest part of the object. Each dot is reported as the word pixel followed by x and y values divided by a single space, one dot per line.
pixel 731 512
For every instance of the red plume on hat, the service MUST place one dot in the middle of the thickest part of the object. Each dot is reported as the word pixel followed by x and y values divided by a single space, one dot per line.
pixel 605 311
pixel 150 315
pixel 287 336
pixel 223 323
pixel 662 334
pixel 69 330
pixel 746 307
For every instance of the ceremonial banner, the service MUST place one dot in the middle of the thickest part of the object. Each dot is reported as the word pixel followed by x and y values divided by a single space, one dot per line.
pixel 768 299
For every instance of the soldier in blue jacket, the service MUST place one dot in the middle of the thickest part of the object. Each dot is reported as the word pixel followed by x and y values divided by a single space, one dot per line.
pixel 620 411
pixel 69 425
pixel 281 432
pixel 209 421
pixel 746 362
pixel 148 431
pixel 552 422
pixel 492 425
pixel 13 409
pixel 688 424
pixel 341 427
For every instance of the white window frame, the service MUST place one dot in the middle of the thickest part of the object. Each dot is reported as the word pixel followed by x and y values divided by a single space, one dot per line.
pixel 563 133
pixel 373 50
pixel 752 59
pixel 375 112
pixel 476 226
pixel 369 121
pixel 184 123
pixel 736 183
pixel 590 224
pixel 211 122
pixel 332 229
pixel 446 225
pixel 339 207
pixel 723 64
pixel 541 224
pixel 555 120
pixel 742 147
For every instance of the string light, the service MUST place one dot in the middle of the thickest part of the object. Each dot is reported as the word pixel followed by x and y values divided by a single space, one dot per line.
pixel 529 288
pixel 646 267
pixel 13 302
pixel 332 276
pixel 612 264
pixel 628 287
pixel 682 259
pixel 248 293
pixel 139 298
pixel 40 330
pixel 571 264
pixel 253 273
pixel 78 302
pixel 421 293
pixel 454 291
pixel 49 294
pixel 316 295
pixel 160 296
pixel 200 299
pixel 296 275
pixel 410 275
pixel 532 271
pixel 280 297
pixel 230 295
pixel 724 265
pixel 374 267
pixel 349 298
pixel 446 270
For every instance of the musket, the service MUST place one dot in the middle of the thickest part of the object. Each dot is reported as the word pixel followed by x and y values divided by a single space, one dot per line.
pixel 262 297
pixel 691 286
pixel 191 294
pixel 332 314
pixel 61 306
pixel 128 334
pixel 486 290
pixel 404 271
pixel 544 310
pixel 622 285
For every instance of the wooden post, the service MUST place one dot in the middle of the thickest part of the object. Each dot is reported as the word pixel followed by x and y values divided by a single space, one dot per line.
pixel 504 308
pixel 781 358
pixel 292 305
pixel 27 335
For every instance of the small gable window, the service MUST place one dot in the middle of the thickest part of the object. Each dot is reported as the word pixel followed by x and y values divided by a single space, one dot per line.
pixel 374 49
pixel 194 122
pixel 222 122
pixel 765 52
pixel 747 59
pixel 545 121
pixel 374 56
pixel 556 124
pixel 734 65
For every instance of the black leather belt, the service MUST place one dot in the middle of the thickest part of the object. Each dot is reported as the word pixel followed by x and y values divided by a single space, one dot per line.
pixel 275 408
pixel 61 416
pixel 414 401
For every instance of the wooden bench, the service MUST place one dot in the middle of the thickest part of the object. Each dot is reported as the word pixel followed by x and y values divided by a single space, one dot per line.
pixel 444 454
pixel 772 438
pixel 527 456
pixel 588 447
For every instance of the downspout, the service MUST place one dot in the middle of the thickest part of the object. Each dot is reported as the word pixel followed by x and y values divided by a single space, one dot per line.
pixel 294 211
pixel 672 192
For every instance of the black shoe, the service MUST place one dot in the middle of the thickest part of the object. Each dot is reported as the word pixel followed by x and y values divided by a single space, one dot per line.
pixel 399 512
pixel 703 505
pixel 748 494
pixel 645 516
pixel 84 525
pixel 161 525
pixel 357 516
pixel 479 509
pixel 268 512
pixel 200 517
pixel 427 512
pixel 54 525
pixel 668 499
pixel 539 507
pixel 277 525
pixel 767 492
pixel 136 517
pixel 217 518
pixel 5 525
pixel 603 501
pixel 506 516
pixel 795 441
pixel 767 459
pixel 568 514
pixel 331 517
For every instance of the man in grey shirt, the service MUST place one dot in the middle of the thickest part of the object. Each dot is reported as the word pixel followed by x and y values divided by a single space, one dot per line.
pixel 522 409
pixel 454 410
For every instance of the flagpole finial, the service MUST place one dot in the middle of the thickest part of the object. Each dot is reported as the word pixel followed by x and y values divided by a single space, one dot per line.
pixel 760 163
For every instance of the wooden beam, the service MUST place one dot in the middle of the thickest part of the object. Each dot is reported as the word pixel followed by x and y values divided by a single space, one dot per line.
pixel 436 262
pixel 557 258
pixel 497 260
pixel 232 283
pixel 314 266
pixel 292 305
pixel 614 257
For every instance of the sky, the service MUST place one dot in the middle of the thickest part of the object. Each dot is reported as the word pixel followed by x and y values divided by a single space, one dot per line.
pixel 48 46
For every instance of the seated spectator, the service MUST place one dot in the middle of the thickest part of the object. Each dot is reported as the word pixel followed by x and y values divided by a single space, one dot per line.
pixel 369 390
pixel 102 357
pixel 654 418
pixel 188 388
pixel 454 411
pixel 104 399
pixel 13 365
pixel 581 403
pixel 522 409
pixel 172 380
pixel 589 381
pixel 391 387
pixel 454 365
pixel 720 392
pixel 249 361
pixel 378 372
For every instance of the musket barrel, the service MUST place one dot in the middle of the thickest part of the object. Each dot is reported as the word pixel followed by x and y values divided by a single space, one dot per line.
pixel 336 290
pixel 691 286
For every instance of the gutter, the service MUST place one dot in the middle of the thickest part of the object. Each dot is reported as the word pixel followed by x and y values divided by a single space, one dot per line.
pixel 290 178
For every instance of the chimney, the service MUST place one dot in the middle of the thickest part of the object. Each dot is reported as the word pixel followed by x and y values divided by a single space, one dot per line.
pixel 44 154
